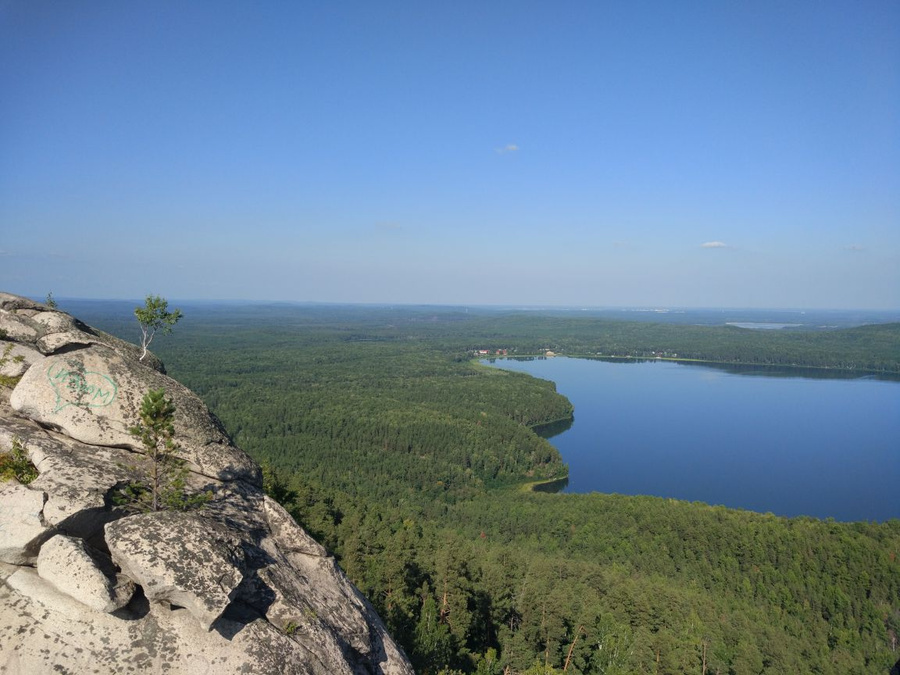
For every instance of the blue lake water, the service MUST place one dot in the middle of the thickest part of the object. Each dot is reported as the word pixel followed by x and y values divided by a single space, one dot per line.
pixel 767 441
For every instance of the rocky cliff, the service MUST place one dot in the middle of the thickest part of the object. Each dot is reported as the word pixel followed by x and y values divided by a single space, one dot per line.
pixel 89 584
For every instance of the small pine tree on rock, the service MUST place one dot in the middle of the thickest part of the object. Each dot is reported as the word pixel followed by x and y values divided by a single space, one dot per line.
pixel 166 484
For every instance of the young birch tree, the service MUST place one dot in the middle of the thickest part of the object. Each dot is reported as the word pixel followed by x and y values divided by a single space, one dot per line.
pixel 155 316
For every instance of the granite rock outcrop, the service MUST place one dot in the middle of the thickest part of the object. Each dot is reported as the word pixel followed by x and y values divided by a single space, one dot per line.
pixel 88 584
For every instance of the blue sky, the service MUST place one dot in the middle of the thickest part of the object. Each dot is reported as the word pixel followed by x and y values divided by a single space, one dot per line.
pixel 740 154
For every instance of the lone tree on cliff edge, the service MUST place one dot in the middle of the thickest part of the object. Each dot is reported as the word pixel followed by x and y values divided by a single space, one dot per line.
pixel 153 316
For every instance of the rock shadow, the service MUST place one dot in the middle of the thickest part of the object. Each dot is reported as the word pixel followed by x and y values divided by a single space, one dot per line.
pixel 237 616
pixel 137 608
pixel 252 598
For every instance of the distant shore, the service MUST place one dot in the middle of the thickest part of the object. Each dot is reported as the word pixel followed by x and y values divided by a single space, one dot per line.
pixel 890 374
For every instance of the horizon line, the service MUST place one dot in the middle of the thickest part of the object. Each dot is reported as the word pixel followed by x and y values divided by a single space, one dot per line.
pixel 496 305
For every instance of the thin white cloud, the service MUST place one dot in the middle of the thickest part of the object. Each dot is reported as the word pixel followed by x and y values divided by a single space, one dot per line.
pixel 4 253
pixel 511 147
pixel 714 244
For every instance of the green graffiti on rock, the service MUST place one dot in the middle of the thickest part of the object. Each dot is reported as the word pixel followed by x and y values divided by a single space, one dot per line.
pixel 79 387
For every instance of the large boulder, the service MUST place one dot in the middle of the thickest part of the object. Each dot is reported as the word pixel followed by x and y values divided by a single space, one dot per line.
pixel 87 576
pixel 161 550
pixel 93 394
pixel 90 584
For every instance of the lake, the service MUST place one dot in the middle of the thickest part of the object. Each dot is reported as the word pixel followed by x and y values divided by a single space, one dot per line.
pixel 787 442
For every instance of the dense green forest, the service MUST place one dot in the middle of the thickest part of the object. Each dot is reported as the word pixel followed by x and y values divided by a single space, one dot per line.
pixel 405 457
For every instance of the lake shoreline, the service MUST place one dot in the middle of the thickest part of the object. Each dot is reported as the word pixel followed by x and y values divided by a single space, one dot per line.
pixel 745 437
pixel 535 485
pixel 851 373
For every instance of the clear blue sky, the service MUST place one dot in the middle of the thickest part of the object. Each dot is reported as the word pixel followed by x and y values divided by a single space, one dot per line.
pixel 720 153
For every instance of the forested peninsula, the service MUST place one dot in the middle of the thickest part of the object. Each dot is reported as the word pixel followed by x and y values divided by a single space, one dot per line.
pixel 388 441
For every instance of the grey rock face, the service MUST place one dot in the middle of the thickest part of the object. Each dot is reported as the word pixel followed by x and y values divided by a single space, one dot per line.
pixel 69 565
pixel 94 394
pixel 180 558
pixel 89 586
pixel 287 535
pixel 21 526
pixel 31 323
pixel 15 359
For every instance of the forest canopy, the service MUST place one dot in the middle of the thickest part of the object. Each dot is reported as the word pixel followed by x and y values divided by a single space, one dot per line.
pixel 402 454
